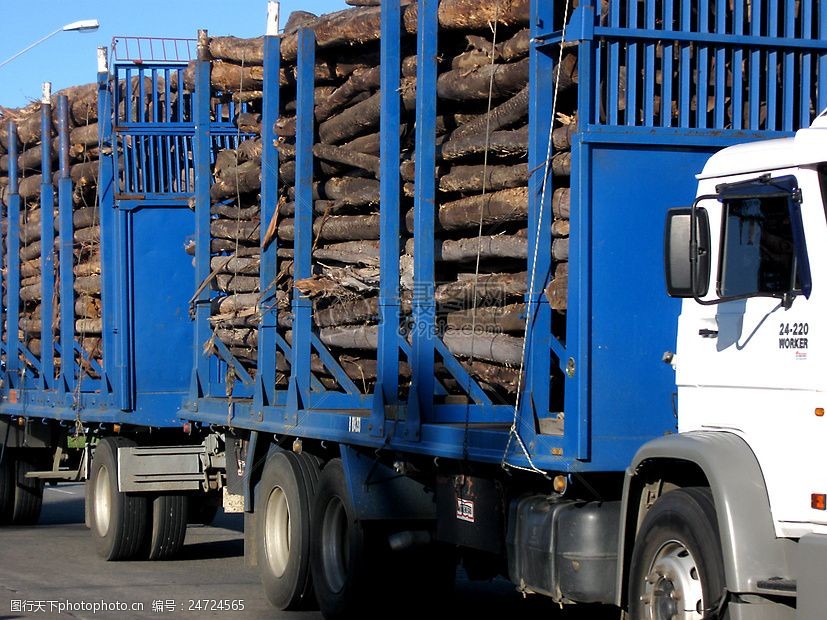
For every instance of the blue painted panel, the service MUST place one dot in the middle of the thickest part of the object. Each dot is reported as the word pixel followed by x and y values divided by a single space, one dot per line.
pixel 632 320
pixel 162 275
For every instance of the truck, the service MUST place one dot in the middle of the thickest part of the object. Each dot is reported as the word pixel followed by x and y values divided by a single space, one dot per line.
pixel 637 459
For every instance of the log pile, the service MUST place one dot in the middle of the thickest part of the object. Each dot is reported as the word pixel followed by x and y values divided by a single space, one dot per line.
pixel 83 158
pixel 481 177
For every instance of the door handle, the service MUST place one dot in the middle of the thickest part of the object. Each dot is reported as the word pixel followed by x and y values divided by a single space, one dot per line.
pixel 708 333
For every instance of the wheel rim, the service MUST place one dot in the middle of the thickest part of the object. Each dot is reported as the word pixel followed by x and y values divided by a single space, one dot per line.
pixel 103 501
pixel 277 536
pixel 335 549
pixel 673 588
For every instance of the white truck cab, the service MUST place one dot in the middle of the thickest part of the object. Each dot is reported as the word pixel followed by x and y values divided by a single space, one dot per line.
pixel 752 345
pixel 746 532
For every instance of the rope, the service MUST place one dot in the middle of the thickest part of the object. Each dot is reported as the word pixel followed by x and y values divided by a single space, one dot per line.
pixel 513 433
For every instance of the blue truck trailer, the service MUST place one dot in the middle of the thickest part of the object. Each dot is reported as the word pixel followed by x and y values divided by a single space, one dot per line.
pixel 606 478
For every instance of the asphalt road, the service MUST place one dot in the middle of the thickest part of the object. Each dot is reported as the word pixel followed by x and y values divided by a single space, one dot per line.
pixel 54 564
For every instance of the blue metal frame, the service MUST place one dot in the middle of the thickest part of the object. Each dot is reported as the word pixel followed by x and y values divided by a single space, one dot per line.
pixel 615 124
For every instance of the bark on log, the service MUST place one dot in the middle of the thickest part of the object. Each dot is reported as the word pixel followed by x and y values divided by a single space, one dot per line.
pixel 242 179
pixel 238 50
pixel 488 289
pixel 363 117
pixel 342 155
pixel 491 319
pixel 353 252
pixel 363 337
pixel 353 190
pixel 507 113
pixel 500 143
pixel 88 326
pixel 236 284
pixel 470 178
pixel 337 228
pixel 499 348
pixel 347 313
pixel 500 81
pixel 87 307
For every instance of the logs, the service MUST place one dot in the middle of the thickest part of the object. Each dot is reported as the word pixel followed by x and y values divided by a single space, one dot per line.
pixel 482 178
pixel 83 155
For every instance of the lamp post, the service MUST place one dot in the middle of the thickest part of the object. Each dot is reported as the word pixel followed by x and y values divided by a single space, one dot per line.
pixel 84 25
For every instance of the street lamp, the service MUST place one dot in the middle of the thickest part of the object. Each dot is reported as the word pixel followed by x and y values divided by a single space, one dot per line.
pixel 84 25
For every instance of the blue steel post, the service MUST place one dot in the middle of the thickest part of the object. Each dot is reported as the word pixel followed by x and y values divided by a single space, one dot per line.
pixel 535 397
pixel 64 202
pixel 303 243
pixel 13 264
pixel 387 367
pixel 266 377
pixel 578 324
pixel 106 200
pixel 424 307
pixel 47 242
pixel 201 163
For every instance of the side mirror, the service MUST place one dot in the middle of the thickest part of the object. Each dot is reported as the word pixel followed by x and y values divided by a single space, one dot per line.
pixel 686 252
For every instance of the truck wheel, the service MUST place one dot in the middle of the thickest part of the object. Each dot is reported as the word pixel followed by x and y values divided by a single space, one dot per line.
pixel 677 570
pixel 168 527
pixel 283 504
pixel 341 552
pixel 21 498
pixel 118 520
pixel 6 489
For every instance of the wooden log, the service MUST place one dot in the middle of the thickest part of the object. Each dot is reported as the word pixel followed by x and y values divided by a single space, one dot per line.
pixel 248 122
pixel 87 307
pixel 341 155
pixel 233 265
pixel 242 179
pixel 361 337
pixel 85 172
pixel 229 283
pixel 234 303
pixel 89 285
pixel 560 202
pixel 347 312
pixel 491 319
pixel 229 229
pixel 500 80
pixel 472 15
pixel 363 117
pixel 493 177
pixel 238 50
pixel 500 143
pixel 233 212
pixel 359 82
pixel 488 247
pixel 84 135
pixel 368 144
pixel 337 228
pixel 85 217
pixel 496 375
pixel 507 113
pixel 89 326
pixel 360 252
pixel 354 191
pixel 495 288
pixel 557 290
pixel 89 268
pixel 500 348
pixel 87 236
pixel 238 337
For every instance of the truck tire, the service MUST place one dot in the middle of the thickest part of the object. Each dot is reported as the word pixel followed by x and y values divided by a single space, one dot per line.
pixel 118 520
pixel 6 489
pixel 677 569
pixel 341 551
pixel 28 493
pixel 283 505
pixel 21 498
pixel 168 527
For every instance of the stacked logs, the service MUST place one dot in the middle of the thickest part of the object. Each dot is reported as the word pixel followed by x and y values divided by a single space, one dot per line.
pixel 83 157
pixel 481 177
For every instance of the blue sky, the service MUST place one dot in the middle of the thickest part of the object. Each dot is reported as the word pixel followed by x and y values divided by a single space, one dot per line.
pixel 69 57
